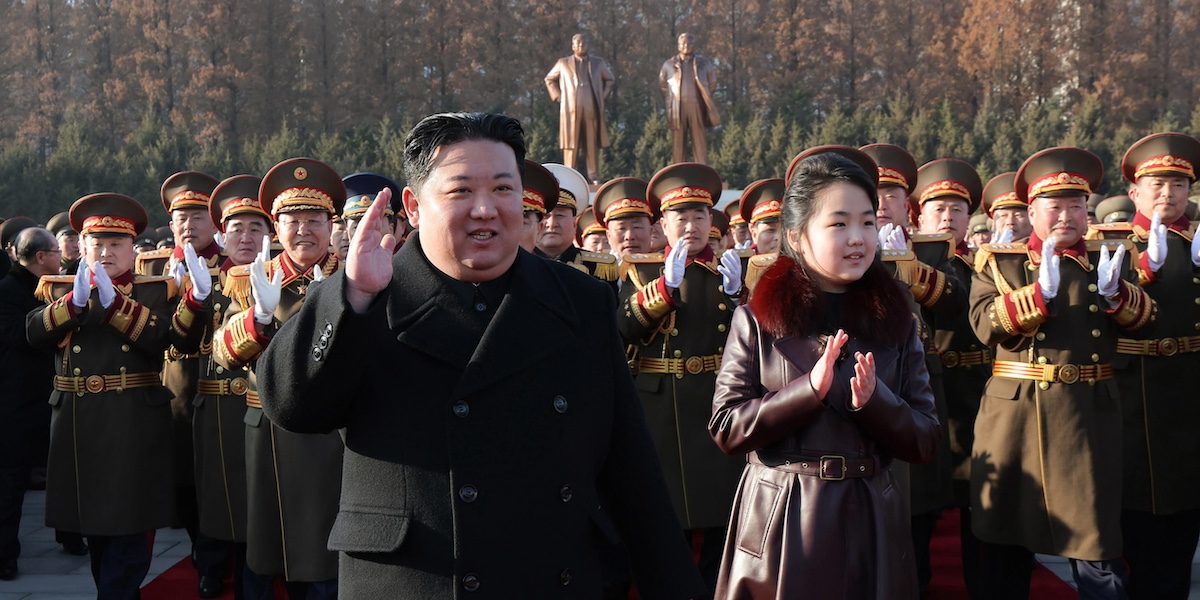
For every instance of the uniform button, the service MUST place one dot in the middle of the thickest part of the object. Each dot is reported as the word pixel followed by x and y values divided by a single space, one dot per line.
pixel 560 404
pixel 77 371
pixel 720 349
pixel 76 349
pixel 471 582
pixel 1092 287
pixel 565 493
pixel 317 354
pixel 217 306
pixel 1040 336
pixel 1197 326
pixel 328 327
pixel 468 493
pixel 678 353
pixel 565 577
pixel 1197 300
pixel 1196 280
pixel 323 343
pixel 675 332
pixel 124 347
pixel 1095 333
pixel 220 370
pixel 721 327
pixel 721 306
pixel 461 410
pixel 1093 308
pixel 1095 358
pixel 1043 385
pixel 1030 266
pixel 1041 360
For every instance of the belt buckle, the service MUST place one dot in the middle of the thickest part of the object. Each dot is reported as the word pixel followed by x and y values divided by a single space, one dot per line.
pixel 823 470
pixel 951 359
pixel 694 365
pixel 238 386
pixel 1168 347
pixel 94 384
pixel 1068 373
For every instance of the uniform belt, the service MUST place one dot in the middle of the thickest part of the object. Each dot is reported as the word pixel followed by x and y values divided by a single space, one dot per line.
pixel 679 367
pixel 223 387
pixel 1162 347
pixel 1052 373
pixel 830 467
pixel 252 399
pixel 952 359
pixel 95 384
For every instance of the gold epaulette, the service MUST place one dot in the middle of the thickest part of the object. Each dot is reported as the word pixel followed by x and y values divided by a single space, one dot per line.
pixel 44 291
pixel 645 259
pixel 759 263
pixel 606 267
pixel 1101 230
pixel 142 259
pixel 1094 246
pixel 746 253
pixel 895 255
pixel 237 285
pixel 172 289
pixel 984 253
pixel 935 238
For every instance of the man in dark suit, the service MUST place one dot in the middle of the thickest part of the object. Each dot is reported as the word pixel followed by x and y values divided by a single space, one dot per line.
pixel 491 469
pixel 28 375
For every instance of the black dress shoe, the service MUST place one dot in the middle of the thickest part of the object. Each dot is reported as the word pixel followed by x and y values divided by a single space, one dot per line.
pixel 210 587
pixel 8 570
pixel 75 547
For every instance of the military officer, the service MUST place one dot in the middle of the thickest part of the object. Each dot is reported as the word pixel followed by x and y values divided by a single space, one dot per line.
pixel 674 313
pixel 739 229
pixel 539 197
pixel 1047 436
pixel 218 434
pixel 628 216
pixel 978 231
pixel 590 235
pixel 1160 523
pixel 8 234
pixel 1009 215
pixel 558 227
pixel 1117 209
pixel 293 480
pixel 110 473
pixel 361 189
pixel 68 242
pixel 762 208
pixel 719 232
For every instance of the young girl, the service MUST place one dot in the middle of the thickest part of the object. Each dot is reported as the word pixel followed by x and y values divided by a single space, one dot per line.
pixel 823 382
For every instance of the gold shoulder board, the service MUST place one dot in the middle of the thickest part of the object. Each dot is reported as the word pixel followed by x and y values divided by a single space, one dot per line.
pixel 597 257
pixel 984 252
pixel 172 291
pixel 44 291
pixel 763 261
pixel 935 238
pixel 895 255
pixel 645 259
pixel 745 252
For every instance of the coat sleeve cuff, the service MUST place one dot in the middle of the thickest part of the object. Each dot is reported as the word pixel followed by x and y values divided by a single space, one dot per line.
pixel 1019 312
pixel 239 342
pixel 1135 308
pixel 653 302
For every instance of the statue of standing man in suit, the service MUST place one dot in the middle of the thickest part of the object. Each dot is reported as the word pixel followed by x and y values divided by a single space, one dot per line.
pixel 580 83
pixel 687 82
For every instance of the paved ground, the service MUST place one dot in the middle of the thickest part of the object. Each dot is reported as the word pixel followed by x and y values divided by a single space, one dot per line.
pixel 48 573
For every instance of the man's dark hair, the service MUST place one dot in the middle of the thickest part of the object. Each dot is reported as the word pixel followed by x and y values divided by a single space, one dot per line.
pixel 33 240
pixel 446 129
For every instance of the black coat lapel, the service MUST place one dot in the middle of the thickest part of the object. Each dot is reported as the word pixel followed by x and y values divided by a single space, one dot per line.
pixel 416 310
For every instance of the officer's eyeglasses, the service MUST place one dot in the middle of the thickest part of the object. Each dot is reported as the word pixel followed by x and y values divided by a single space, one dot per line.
pixel 309 224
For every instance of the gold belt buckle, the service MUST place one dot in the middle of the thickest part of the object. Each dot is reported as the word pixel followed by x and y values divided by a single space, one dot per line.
pixel 238 386
pixel 823 474
pixel 1068 373
pixel 1168 347
pixel 694 365
pixel 951 359
pixel 94 384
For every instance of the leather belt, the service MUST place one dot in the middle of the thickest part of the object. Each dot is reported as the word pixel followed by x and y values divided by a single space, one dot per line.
pixel 95 384
pixel 223 387
pixel 679 367
pixel 1162 347
pixel 952 359
pixel 830 467
pixel 252 399
pixel 1052 373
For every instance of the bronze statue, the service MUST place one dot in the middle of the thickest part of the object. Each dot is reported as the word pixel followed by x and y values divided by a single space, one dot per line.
pixel 580 83
pixel 687 82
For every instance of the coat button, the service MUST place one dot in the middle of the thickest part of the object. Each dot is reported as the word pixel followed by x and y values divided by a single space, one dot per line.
pixel 1043 386
pixel 678 353
pixel 329 328
pixel 480 307
pixel 78 370
pixel 317 354
pixel 566 493
pixel 76 349
pixel 1095 358
pixel 461 410
pixel 217 306
pixel 220 370
pixel 468 493
pixel 1095 333
pixel 124 347
pixel 565 576
pixel 1041 360
pixel 560 404
pixel 721 306
pixel 721 327
pixel 471 582
pixel 1041 335
pixel 1093 308
pixel 1092 287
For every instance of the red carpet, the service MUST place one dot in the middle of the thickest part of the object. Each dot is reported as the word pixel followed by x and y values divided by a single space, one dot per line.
pixel 180 580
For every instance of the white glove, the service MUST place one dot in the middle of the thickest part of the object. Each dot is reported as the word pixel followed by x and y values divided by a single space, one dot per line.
pixel 1005 237
pixel 891 237
pixel 219 238
pixel 178 272
pixel 676 262
pixel 1048 274
pixel 317 277
pixel 1108 271
pixel 104 285
pixel 1156 246
pixel 198 272
pixel 266 290
pixel 1196 251
pixel 731 272
pixel 745 245
pixel 83 285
